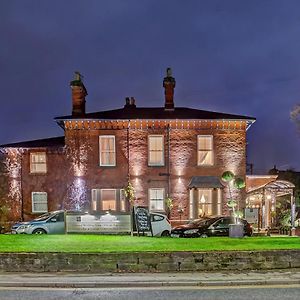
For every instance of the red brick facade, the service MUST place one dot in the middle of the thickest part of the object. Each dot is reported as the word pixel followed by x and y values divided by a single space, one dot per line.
pixel 73 168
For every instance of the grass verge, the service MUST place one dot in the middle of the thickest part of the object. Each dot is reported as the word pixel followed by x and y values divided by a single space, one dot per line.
pixel 106 243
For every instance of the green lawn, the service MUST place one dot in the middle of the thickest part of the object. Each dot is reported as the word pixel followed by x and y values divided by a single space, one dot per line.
pixel 101 243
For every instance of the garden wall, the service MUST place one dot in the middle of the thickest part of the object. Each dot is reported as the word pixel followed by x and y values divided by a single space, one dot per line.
pixel 149 261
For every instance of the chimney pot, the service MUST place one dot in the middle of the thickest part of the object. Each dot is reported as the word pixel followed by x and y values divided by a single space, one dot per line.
pixel 132 101
pixel 129 102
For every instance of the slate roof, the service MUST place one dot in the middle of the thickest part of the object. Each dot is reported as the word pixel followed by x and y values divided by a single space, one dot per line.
pixel 42 143
pixel 131 113
pixel 205 182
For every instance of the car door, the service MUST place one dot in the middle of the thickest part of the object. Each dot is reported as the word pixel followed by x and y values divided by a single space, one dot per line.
pixel 221 227
pixel 157 224
pixel 56 224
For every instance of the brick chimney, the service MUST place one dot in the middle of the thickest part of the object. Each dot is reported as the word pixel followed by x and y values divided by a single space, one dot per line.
pixel 169 85
pixel 129 102
pixel 78 96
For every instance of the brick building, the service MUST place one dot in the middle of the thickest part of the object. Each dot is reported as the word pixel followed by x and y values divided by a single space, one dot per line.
pixel 166 151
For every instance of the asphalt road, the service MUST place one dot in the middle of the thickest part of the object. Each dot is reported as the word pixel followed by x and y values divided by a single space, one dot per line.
pixel 172 293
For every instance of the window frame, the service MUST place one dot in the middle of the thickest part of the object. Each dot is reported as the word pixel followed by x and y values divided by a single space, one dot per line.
pixel 100 151
pixel 38 163
pixel 161 164
pixel 207 205
pixel 95 203
pixel 122 202
pixel 32 203
pixel 163 200
pixel 211 150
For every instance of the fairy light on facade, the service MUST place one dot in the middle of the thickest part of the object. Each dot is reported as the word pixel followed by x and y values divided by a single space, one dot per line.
pixel 77 154
pixel 13 166
pixel 77 194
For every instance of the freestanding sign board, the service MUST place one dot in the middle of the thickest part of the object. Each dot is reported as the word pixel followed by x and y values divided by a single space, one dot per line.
pixel 142 220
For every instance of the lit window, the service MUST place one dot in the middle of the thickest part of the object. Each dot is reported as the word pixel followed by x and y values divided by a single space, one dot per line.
pixel 107 150
pixel 209 202
pixel 191 204
pixel 39 202
pixel 108 199
pixel 156 150
pixel 122 200
pixel 95 199
pixel 156 199
pixel 38 162
pixel 205 150
pixel 205 202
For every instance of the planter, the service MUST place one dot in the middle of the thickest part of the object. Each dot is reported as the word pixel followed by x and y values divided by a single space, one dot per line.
pixel 297 231
pixel 236 230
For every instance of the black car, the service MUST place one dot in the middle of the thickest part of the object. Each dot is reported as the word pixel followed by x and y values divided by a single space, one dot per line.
pixel 214 226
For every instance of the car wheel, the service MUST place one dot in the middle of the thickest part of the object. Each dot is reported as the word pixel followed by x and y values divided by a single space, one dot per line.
pixel 203 235
pixel 39 231
pixel 165 233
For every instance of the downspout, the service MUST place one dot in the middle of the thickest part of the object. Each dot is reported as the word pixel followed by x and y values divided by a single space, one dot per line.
pixel 128 152
pixel 169 166
pixel 21 187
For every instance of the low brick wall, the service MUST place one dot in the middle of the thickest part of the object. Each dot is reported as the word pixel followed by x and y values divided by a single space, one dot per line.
pixel 149 262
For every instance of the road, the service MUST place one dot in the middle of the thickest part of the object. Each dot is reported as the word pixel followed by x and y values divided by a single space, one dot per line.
pixel 155 293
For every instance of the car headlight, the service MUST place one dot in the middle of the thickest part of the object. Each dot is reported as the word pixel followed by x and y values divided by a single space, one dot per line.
pixel 191 231
pixel 24 226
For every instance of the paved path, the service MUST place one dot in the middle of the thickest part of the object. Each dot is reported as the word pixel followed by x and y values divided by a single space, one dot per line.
pixel 287 292
pixel 75 280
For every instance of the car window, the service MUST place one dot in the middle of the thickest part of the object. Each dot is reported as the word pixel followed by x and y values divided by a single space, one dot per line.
pixel 156 218
pixel 60 217
pixel 223 223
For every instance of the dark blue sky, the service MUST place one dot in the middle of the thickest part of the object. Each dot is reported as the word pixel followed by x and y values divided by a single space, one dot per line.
pixel 239 57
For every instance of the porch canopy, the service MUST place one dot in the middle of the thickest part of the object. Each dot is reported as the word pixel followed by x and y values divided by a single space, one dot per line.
pixel 205 182
pixel 266 195
pixel 278 187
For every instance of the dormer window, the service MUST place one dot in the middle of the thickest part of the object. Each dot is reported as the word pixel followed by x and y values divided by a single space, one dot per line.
pixel 38 163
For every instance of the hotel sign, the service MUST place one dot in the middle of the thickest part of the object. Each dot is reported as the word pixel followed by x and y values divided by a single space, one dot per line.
pixel 107 223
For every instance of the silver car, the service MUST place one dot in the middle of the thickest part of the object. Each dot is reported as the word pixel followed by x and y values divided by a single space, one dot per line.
pixel 52 223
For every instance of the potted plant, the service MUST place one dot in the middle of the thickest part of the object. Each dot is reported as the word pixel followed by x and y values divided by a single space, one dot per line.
pixel 236 229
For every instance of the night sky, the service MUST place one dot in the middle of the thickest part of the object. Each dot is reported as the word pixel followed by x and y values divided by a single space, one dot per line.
pixel 240 57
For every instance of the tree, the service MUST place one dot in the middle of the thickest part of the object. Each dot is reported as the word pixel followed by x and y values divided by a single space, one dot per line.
pixel 233 182
pixel 130 197
pixel 169 206
pixel 295 116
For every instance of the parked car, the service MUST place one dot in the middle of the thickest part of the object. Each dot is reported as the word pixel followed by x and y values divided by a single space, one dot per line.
pixel 160 224
pixel 214 226
pixel 53 223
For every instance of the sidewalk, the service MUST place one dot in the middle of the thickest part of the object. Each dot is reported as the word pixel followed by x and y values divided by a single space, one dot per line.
pixel 67 280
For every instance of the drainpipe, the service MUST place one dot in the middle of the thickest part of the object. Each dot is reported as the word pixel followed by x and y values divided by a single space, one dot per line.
pixel 128 152
pixel 21 187
pixel 168 170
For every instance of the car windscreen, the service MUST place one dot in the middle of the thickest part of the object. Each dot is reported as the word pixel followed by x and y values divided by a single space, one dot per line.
pixel 200 222
pixel 42 217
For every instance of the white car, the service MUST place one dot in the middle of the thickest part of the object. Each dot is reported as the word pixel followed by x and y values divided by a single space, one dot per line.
pixel 160 224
